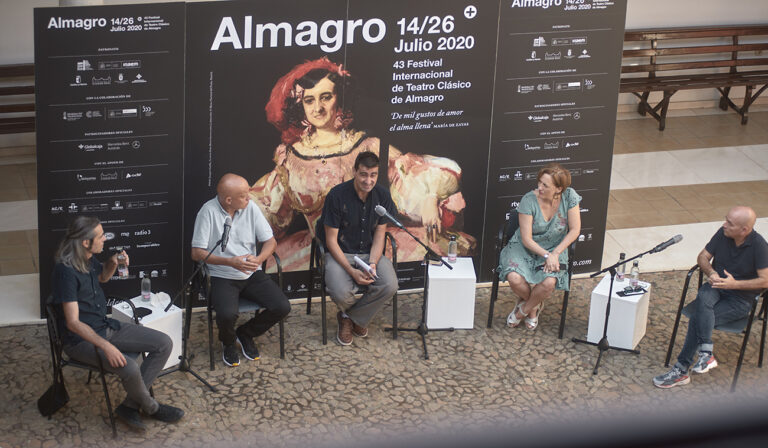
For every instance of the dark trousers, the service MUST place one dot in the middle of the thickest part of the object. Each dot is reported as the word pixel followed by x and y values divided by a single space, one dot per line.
pixel 257 288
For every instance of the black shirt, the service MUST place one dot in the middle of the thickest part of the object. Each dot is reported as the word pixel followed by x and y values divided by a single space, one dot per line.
pixel 355 219
pixel 71 285
pixel 743 261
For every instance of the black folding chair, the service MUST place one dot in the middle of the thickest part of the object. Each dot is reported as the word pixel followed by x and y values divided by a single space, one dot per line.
pixel 243 305
pixel 743 325
pixel 507 229
pixel 61 360
pixel 317 269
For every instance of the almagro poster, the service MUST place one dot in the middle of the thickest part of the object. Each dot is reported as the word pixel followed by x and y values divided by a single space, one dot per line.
pixel 463 100
pixel 109 89
pixel 287 94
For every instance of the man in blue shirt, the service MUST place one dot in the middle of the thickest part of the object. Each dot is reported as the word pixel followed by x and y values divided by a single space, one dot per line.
pixel 83 323
pixel 352 228
pixel 738 273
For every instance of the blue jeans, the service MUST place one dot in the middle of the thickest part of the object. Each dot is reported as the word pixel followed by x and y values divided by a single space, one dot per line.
pixel 712 307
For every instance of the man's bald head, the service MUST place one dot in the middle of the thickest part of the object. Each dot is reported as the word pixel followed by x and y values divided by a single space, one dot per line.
pixel 232 191
pixel 739 223
pixel 743 216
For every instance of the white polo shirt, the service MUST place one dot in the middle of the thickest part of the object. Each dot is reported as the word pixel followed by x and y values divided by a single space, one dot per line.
pixel 249 227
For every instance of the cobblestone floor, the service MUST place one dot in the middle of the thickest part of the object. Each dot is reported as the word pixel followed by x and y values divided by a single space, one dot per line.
pixel 482 378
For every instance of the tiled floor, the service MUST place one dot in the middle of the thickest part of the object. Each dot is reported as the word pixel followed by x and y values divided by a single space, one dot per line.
pixel 682 180
pixel 481 387
pixel 476 382
pixel 683 204
pixel 18 182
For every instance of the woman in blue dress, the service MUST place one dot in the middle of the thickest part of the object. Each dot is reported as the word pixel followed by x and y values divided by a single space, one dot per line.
pixel 535 260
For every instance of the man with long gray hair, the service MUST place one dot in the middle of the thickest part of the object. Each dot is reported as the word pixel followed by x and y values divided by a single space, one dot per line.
pixel 83 323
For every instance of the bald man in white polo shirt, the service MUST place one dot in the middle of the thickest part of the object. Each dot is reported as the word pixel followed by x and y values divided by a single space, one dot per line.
pixel 236 272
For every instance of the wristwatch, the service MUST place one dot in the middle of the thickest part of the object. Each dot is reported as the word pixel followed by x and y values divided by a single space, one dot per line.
pixel 546 255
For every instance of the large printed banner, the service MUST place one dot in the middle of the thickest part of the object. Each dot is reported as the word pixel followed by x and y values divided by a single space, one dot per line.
pixel 555 101
pixel 462 100
pixel 109 86
pixel 411 82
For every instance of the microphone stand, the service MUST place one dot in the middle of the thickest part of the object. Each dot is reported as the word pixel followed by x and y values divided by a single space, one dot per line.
pixel 422 329
pixel 184 359
pixel 603 344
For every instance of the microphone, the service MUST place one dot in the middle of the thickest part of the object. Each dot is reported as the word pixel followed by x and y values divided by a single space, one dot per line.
pixel 225 234
pixel 674 240
pixel 381 211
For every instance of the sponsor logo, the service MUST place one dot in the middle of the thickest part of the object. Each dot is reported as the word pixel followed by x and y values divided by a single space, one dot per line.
pixel 85 178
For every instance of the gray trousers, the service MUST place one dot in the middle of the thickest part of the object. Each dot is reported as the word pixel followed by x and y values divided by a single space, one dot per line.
pixel 131 338
pixel 342 288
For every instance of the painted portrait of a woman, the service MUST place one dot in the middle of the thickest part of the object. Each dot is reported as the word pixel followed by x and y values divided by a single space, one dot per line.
pixel 313 107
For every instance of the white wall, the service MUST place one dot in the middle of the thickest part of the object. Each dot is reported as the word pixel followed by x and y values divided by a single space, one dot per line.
pixel 16 33
pixel 671 13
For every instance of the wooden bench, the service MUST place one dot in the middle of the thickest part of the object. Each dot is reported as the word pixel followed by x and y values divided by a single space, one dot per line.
pixel 17 101
pixel 695 58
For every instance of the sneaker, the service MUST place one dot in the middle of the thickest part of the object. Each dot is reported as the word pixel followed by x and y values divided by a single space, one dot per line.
pixel 674 377
pixel 344 333
pixel 250 351
pixel 359 331
pixel 705 363
pixel 168 414
pixel 230 356
pixel 130 417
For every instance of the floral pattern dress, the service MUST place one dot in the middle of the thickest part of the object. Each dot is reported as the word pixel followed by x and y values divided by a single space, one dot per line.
pixel 547 234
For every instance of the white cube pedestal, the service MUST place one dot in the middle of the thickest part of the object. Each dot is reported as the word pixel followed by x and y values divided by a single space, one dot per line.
pixel 451 295
pixel 628 318
pixel 167 322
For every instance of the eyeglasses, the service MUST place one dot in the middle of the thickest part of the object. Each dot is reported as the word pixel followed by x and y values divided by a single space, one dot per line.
pixel 629 289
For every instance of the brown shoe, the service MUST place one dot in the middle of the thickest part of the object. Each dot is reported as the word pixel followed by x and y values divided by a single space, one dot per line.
pixel 344 333
pixel 359 331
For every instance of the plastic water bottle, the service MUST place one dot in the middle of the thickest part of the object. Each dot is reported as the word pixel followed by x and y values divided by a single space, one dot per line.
pixel 146 289
pixel 122 268
pixel 621 273
pixel 634 274
pixel 453 248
